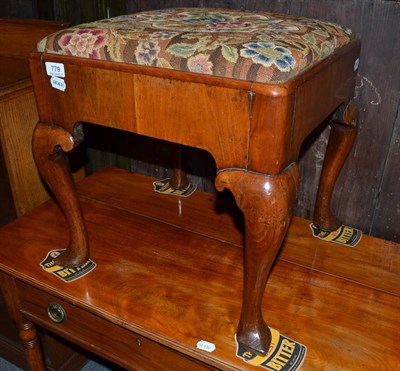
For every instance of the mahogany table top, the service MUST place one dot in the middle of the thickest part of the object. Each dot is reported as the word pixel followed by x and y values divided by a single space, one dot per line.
pixel 170 269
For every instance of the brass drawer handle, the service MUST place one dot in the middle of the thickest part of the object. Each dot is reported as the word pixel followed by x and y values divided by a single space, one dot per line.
pixel 56 312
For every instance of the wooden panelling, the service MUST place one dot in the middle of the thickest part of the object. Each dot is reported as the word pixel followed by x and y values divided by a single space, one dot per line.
pixel 366 194
pixel 17 117
pixel 371 162
pixel 77 11
pixel 18 9
pixel 6 201
pixel 18 114
pixel 387 212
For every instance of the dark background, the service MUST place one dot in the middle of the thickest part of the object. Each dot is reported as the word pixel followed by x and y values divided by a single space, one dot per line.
pixel 366 195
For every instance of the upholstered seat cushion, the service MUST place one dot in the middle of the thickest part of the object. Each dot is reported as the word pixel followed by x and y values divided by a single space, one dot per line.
pixel 255 46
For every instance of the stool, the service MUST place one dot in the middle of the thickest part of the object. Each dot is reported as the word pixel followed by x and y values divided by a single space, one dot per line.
pixel 246 87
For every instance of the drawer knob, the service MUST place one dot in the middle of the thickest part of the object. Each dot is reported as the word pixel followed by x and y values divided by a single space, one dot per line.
pixel 56 312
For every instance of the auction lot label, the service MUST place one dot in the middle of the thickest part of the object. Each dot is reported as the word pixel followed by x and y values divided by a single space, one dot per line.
pixel 66 274
pixel 284 354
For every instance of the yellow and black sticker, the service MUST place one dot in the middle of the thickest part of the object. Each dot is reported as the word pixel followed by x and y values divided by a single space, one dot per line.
pixel 163 186
pixel 344 235
pixel 284 354
pixel 66 274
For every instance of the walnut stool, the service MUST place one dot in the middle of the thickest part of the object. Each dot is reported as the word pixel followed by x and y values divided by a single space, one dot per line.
pixel 248 87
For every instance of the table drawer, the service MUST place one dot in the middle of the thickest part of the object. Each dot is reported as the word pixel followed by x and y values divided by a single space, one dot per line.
pixel 124 347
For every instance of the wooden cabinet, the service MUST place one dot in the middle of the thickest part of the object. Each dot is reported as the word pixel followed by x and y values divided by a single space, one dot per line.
pixel 18 114
pixel 18 117
pixel 127 348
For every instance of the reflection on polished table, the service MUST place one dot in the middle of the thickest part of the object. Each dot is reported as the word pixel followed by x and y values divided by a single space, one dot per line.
pixel 208 79
pixel 165 280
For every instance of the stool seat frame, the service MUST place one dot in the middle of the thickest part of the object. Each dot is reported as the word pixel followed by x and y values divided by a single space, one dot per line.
pixel 254 132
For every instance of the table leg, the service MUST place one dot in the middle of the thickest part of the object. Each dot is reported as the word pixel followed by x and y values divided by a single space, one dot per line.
pixel 179 179
pixel 30 341
pixel 341 140
pixel 49 144
pixel 266 202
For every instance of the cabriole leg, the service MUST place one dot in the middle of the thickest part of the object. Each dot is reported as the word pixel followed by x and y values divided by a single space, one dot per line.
pixel 266 202
pixel 341 140
pixel 49 144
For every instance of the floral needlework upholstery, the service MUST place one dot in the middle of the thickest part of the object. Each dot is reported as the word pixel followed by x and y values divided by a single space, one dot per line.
pixel 255 46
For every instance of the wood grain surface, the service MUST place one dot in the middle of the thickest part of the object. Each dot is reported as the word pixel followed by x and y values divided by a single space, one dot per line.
pixel 176 285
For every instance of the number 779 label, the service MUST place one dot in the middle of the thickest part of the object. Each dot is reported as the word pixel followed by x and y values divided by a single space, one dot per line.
pixel 55 69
